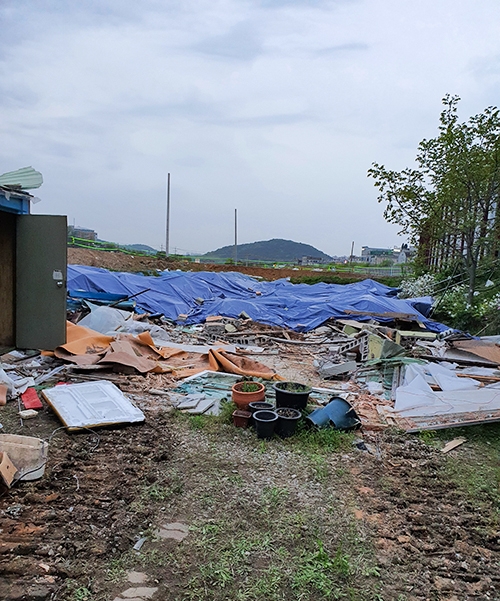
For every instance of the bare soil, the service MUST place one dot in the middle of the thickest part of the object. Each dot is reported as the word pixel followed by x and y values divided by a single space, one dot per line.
pixel 303 519
pixel 297 519
pixel 119 261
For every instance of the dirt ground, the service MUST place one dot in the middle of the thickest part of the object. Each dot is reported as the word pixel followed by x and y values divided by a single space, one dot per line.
pixel 308 518
pixel 216 514
pixel 119 261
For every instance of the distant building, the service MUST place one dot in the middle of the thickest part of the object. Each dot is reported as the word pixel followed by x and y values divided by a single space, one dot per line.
pixel 310 261
pixel 82 233
pixel 406 253
pixel 376 256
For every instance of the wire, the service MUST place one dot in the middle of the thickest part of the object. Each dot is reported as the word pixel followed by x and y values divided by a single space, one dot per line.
pixel 39 467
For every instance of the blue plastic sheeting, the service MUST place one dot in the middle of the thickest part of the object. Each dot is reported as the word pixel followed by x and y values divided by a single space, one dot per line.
pixel 300 307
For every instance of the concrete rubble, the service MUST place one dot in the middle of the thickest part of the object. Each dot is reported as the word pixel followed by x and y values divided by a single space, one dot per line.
pixel 369 363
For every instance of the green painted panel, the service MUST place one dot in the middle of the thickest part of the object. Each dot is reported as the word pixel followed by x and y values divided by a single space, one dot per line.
pixel 41 263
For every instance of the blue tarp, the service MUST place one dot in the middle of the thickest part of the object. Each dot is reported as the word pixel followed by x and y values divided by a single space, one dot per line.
pixel 300 307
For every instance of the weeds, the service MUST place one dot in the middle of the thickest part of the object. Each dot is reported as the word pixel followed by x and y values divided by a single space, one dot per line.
pixel 226 412
pixel 82 594
pixel 273 496
pixel 476 472
pixel 163 490
pixel 429 437
pixel 198 422
pixel 320 441
pixel 319 467
pixel 76 592
pixel 319 571
pixel 218 574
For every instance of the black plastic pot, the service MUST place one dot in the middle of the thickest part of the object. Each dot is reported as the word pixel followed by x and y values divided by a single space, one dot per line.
pixel 259 406
pixel 296 399
pixel 288 418
pixel 265 422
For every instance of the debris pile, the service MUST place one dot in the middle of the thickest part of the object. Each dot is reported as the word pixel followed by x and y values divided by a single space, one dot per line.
pixel 200 336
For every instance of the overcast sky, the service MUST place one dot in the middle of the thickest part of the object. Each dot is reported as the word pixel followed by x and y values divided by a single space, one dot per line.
pixel 274 107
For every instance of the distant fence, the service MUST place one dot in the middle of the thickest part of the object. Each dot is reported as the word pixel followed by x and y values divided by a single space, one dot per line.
pixel 108 246
pixel 396 270
pixel 393 270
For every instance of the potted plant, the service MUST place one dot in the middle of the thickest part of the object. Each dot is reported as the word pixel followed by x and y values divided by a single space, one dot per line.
pixel 288 419
pixel 292 394
pixel 265 422
pixel 246 392
pixel 240 418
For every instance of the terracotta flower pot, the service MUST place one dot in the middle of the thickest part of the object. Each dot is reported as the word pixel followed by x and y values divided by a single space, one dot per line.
pixel 242 399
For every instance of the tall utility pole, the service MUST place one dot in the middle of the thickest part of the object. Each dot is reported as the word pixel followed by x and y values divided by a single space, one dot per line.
pixel 167 241
pixel 352 254
pixel 235 236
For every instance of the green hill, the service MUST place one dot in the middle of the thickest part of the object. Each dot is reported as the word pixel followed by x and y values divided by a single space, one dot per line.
pixel 141 248
pixel 270 250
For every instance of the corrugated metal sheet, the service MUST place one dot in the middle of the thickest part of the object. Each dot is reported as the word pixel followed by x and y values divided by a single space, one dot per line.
pixel 26 178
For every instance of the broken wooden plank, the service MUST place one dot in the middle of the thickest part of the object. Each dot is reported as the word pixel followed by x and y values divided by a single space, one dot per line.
pixel 453 444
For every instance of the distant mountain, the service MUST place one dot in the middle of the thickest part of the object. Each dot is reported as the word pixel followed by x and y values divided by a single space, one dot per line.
pixel 141 248
pixel 270 250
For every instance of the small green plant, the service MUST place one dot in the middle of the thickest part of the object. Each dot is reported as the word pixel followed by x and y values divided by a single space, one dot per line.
pixel 116 571
pixel 274 496
pixel 226 412
pixel 198 422
pixel 82 594
pixel 157 492
pixel 319 571
pixel 293 387
pixel 249 387
pixel 428 436
pixel 217 573
pixel 321 441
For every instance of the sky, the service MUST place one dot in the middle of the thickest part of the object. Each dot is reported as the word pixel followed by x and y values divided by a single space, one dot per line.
pixel 276 108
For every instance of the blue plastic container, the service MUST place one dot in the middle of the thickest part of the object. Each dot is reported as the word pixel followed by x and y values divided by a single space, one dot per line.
pixel 338 414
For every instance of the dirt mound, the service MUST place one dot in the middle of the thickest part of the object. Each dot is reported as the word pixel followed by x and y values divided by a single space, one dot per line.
pixel 119 261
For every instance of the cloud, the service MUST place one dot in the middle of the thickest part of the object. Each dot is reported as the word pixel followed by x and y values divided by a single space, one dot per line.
pixel 267 120
pixel 342 49
pixel 275 107
pixel 241 42
pixel 301 3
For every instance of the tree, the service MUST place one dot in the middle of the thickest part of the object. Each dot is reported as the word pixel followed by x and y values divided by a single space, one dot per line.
pixel 448 204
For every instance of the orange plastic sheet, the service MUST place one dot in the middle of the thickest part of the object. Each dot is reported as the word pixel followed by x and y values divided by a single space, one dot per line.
pixel 87 347
pixel 83 346
pixel 236 364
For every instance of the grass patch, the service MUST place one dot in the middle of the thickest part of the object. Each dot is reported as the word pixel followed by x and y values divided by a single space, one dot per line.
pixel 168 486
pixel 319 441
pixel 318 572
pixel 474 468
pixel 198 422
pixel 273 497
pixel 255 533
pixel 429 437
pixel 319 467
